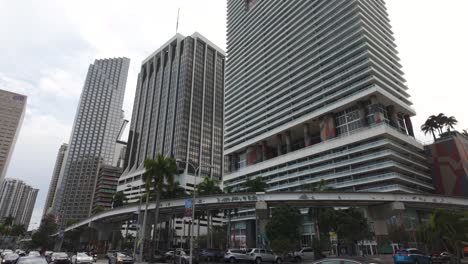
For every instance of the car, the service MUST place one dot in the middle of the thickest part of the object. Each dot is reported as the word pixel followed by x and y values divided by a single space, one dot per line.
pixel 32 260
pixel 180 256
pixel 6 252
pixel 210 254
pixel 440 257
pixel 258 255
pixel 60 258
pixel 10 258
pixel 338 261
pixel 82 257
pixel 236 255
pixel 410 255
pixel 120 258
pixel 109 253
pixel 306 253
pixel 34 254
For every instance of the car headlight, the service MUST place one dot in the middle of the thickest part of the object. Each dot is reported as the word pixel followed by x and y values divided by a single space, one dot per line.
pixel 119 260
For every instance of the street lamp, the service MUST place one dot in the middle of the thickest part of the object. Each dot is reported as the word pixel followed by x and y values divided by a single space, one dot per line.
pixel 138 221
pixel 193 202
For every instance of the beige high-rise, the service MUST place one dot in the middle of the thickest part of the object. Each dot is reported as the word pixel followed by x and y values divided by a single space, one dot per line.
pixel 12 108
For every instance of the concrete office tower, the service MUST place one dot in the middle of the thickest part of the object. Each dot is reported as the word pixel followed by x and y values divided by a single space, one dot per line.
pixel 55 178
pixel 95 131
pixel 314 90
pixel 12 109
pixel 178 111
pixel 17 199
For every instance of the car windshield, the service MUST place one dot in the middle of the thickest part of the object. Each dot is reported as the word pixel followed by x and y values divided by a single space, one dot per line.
pixel 121 255
pixel 82 255
pixel 35 260
pixel 34 253
pixel 11 256
pixel 60 254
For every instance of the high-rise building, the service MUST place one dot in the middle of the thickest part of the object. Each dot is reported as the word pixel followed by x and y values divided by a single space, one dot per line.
pixel 178 111
pixel 55 178
pixel 315 91
pixel 12 109
pixel 96 128
pixel 17 199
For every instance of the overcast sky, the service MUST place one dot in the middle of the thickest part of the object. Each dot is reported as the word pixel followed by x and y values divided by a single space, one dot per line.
pixel 46 47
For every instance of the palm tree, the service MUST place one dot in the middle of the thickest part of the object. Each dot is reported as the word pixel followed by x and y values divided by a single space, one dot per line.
pixel 159 173
pixel 429 127
pixel 8 221
pixel 209 186
pixel 255 185
pixel 450 122
pixel 441 120
pixel 18 230
pixel 465 132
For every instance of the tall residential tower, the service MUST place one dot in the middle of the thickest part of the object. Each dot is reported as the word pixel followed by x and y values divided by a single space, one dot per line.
pixel 314 90
pixel 178 111
pixel 97 126
pixel 12 109
pixel 17 199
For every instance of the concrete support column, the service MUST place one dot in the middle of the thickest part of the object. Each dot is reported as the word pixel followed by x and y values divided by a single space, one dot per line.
pixel 392 114
pixel 262 218
pixel 409 125
pixel 279 152
pixel 379 215
pixel 251 155
pixel 363 113
pixel 287 136
pixel 263 150
pixel 306 134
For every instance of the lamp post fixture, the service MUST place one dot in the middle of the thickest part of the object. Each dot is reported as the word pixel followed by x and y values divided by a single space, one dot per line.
pixel 138 221
pixel 193 202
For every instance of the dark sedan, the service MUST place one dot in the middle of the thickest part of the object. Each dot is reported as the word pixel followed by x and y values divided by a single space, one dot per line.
pixel 10 258
pixel 60 258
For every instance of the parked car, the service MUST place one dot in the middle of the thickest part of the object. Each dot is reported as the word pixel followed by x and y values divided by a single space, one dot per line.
pixel 337 261
pixel 440 257
pixel 306 253
pixel 34 254
pixel 32 260
pixel 120 258
pixel 258 255
pixel 6 252
pixel 10 258
pixel 82 257
pixel 180 256
pixel 60 258
pixel 411 255
pixel 236 255
pixel 110 252
pixel 210 254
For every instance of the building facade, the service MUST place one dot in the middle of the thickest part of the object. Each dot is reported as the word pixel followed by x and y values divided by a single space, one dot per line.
pixel 178 111
pixel 17 199
pixel 55 178
pixel 314 90
pixel 96 129
pixel 448 157
pixel 12 109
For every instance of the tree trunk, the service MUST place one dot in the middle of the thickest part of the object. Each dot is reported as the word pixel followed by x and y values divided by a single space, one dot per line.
pixel 198 232
pixel 433 135
pixel 156 219
pixel 228 241
pixel 208 229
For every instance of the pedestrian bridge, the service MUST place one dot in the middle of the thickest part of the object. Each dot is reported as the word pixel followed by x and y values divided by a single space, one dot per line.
pixel 297 199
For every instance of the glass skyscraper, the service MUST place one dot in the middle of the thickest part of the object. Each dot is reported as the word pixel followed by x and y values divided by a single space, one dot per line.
pixel 315 91
pixel 96 129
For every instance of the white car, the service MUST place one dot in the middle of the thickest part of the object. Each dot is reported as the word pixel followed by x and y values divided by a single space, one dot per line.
pixel 258 255
pixel 304 254
pixel 82 258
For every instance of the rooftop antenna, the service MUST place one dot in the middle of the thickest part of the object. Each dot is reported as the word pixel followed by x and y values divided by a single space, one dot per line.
pixel 177 24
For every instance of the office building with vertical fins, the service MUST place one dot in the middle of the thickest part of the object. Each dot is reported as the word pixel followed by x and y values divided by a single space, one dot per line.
pixel 55 178
pixel 178 111
pixel 315 91
pixel 96 129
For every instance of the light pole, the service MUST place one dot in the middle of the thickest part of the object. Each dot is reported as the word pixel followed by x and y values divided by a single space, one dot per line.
pixel 138 222
pixel 193 202
pixel 143 230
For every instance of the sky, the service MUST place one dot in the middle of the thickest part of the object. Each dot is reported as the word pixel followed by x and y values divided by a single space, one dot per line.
pixel 46 47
